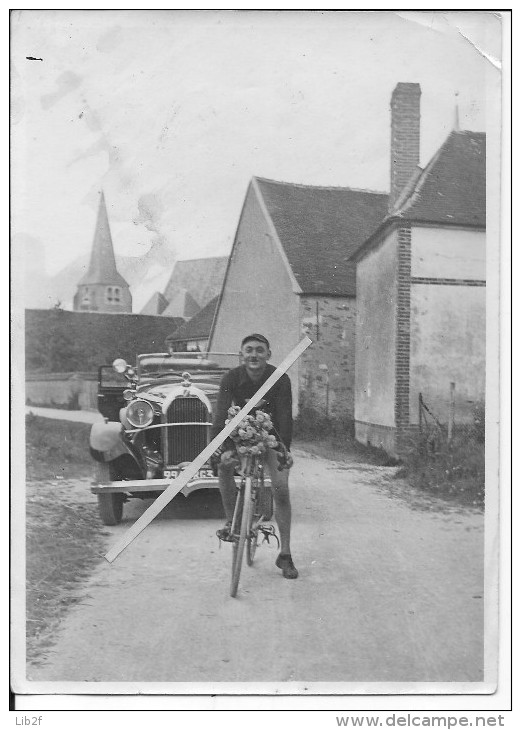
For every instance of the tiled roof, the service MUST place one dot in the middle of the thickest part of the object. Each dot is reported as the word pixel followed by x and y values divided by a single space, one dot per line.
pixel 203 278
pixel 155 305
pixel 319 228
pixel 182 305
pixel 198 327
pixel 452 188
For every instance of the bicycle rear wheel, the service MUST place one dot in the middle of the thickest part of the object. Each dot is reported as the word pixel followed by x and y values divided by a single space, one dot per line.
pixel 238 546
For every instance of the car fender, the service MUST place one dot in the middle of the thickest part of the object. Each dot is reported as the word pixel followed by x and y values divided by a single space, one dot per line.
pixel 106 442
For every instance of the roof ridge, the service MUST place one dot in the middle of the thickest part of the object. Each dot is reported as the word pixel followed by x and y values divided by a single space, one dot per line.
pixel 201 258
pixel 321 187
pixel 469 131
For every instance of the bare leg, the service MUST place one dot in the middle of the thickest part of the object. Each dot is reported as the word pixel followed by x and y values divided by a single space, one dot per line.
pixel 227 488
pixel 280 488
pixel 283 517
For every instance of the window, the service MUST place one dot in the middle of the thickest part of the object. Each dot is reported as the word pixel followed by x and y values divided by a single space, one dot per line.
pixel 85 297
pixel 113 294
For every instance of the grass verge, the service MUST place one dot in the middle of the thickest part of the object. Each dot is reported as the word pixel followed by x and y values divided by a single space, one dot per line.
pixel 56 448
pixel 64 536
pixel 454 470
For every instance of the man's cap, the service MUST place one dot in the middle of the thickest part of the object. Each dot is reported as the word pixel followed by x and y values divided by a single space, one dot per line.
pixel 256 336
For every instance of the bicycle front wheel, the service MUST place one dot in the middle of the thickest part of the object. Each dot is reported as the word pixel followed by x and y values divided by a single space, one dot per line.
pixel 252 535
pixel 257 512
pixel 238 545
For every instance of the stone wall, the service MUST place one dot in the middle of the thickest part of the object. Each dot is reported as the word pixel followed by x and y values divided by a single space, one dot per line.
pixel 327 368
pixel 73 391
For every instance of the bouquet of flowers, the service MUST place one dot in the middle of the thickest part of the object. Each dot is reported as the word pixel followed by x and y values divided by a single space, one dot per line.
pixel 252 435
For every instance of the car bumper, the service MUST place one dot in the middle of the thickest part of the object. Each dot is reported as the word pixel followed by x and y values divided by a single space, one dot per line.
pixel 158 485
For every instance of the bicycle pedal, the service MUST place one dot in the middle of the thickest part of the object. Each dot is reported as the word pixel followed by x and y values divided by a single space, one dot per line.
pixel 225 537
pixel 267 532
pixel 266 527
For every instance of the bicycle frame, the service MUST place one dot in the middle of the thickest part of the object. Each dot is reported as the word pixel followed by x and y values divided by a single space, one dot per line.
pixel 253 473
pixel 248 516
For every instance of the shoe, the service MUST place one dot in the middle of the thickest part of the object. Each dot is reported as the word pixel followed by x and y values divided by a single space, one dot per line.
pixel 285 563
pixel 225 533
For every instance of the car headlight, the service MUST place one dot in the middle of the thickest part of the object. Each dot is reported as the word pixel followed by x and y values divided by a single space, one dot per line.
pixel 120 365
pixel 140 414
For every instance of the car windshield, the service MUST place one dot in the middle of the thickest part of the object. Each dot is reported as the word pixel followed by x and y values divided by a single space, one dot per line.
pixel 157 366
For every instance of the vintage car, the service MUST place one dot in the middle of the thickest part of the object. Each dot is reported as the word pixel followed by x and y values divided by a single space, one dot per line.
pixel 157 420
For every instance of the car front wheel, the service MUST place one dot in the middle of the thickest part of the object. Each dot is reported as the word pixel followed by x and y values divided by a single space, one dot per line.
pixel 110 506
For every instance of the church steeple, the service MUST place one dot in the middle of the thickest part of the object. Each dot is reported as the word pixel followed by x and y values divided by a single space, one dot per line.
pixel 102 288
pixel 102 267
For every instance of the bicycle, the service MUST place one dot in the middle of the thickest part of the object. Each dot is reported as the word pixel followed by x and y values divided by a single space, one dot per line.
pixel 253 507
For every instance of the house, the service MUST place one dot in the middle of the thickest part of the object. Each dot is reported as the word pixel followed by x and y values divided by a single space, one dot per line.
pixel 182 305
pixel 194 334
pixel 289 274
pixel 156 305
pixel 192 285
pixel 102 288
pixel 420 284
pixel 201 278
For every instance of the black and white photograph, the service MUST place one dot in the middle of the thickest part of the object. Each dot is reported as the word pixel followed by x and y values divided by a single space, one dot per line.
pixel 255 302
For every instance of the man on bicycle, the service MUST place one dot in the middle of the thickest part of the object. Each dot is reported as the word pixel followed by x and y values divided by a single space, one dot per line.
pixel 236 388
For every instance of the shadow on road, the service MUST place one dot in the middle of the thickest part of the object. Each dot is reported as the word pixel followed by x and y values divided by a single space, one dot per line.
pixel 203 504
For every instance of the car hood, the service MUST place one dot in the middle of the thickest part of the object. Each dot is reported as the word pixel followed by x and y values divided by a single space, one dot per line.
pixel 159 392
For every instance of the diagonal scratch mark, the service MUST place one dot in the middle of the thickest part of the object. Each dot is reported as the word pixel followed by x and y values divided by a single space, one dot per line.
pixel 491 59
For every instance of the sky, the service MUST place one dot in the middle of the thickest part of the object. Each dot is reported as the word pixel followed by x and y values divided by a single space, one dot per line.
pixel 172 112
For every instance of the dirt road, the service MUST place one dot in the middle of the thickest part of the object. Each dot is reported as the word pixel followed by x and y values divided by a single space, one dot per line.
pixel 63 415
pixel 390 589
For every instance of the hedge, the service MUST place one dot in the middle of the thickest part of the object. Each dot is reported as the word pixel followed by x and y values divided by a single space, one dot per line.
pixel 59 341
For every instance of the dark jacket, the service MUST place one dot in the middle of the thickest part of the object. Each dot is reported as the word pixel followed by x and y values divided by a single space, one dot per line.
pixel 237 388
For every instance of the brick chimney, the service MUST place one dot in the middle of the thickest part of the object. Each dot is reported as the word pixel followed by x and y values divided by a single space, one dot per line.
pixel 405 136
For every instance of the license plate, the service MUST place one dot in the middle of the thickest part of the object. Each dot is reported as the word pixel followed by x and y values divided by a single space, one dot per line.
pixel 201 474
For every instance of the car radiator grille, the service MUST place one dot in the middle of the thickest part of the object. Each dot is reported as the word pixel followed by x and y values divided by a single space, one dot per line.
pixel 184 443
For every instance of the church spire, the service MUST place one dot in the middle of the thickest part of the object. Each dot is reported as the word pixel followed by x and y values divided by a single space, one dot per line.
pixel 102 288
pixel 102 267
